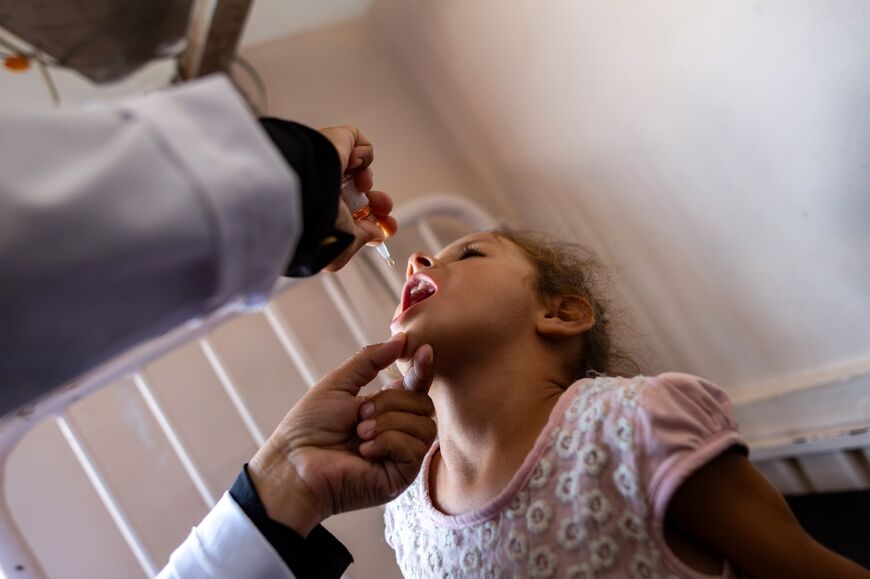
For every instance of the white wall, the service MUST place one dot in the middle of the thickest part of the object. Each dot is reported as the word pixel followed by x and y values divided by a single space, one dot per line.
pixel 716 151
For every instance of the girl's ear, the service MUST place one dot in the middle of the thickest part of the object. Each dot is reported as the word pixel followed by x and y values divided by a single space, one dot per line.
pixel 566 317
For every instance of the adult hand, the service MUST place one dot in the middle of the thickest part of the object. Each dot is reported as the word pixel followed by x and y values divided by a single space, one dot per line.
pixel 354 151
pixel 336 451
pixel 356 154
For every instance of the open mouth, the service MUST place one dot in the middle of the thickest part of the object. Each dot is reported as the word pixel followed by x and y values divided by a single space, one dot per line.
pixel 418 288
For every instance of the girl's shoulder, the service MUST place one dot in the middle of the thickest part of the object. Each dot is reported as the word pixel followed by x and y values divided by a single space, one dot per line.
pixel 667 393
pixel 659 429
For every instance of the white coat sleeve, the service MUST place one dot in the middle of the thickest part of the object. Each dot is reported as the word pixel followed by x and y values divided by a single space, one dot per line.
pixel 225 545
pixel 116 224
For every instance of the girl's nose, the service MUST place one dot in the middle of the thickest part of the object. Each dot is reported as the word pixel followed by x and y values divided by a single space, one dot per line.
pixel 418 261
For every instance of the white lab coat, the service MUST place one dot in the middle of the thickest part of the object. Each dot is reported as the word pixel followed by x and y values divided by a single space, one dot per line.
pixel 225 545
pixel 120 222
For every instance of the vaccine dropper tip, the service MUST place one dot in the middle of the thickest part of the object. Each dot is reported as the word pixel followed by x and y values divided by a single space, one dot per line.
pixel 385 253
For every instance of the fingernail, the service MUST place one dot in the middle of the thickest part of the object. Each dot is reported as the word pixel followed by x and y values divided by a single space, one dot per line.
pixel 396 337
pixel 366 429
pixel 366 445
pixel 367 410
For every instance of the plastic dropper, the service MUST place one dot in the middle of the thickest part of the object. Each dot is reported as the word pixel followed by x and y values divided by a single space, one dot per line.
pixel 358 203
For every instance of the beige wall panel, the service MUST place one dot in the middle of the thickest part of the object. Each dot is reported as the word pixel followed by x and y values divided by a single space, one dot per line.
pixel 139 466
pixel 59 513
pixel 202 415
pixel 256 362
pixel 323 335
pixel 344 75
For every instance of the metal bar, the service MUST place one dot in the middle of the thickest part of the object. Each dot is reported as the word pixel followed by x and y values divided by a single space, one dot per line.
pixel 338 295
pixel 844 438
pixel 224 378
pixel 213 36
pixel 341 300
pixel 291 345
pixel 106 495
pixel 174 441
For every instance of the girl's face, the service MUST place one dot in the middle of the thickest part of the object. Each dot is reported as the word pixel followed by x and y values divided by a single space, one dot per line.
pixel 477 292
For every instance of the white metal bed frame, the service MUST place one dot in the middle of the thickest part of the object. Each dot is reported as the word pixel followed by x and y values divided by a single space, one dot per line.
pixel 17 559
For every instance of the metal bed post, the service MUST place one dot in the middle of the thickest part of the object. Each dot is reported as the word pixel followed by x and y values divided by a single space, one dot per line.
pixel 174 441
pixel 232 392
pixel 98 481
pixel 291 345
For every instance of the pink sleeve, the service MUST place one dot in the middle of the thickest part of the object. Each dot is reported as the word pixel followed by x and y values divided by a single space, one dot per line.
pixel 683 422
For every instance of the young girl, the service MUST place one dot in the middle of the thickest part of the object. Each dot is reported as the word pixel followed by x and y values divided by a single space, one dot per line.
pixel 538 474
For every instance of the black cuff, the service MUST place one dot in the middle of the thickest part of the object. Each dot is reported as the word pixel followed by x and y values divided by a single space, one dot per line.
pixel 316 163
pixel 320 556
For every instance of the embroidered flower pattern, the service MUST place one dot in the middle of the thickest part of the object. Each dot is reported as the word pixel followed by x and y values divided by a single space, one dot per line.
pixel 434 560
pixel 571 533
pixel 567 443
pixel 604 553
pixel 593 458
pixel 491 572
pixel 642 567
pixel 626 481
pixel 596 506
pixel 421 541
pixel 582 571
pixel 518 505
pixel 623 432
pixel 632 526
pixel 628 396
pixel 573 411
pixel 517 546
pixel 487 533
pixel 592 416
pixel 541 474
pixel 539 516
pixel 452 539
pixel 566 487
pixel 542 562
pixel 470 559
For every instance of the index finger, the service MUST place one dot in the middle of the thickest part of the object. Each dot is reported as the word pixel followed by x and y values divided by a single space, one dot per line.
pixel 363 153
pixel 363 367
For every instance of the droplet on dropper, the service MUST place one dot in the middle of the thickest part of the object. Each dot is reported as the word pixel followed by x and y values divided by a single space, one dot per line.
pixel 385 253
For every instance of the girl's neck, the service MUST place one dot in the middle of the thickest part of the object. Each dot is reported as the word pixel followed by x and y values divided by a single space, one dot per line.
pixel 489 416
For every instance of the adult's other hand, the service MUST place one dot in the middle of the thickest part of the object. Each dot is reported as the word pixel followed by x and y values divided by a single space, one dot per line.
pixel 336 451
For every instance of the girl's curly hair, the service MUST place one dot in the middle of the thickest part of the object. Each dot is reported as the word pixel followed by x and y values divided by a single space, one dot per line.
pixel 570 269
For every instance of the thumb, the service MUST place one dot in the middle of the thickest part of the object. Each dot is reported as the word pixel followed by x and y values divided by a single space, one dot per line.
pixel 363 367
pixel 419 376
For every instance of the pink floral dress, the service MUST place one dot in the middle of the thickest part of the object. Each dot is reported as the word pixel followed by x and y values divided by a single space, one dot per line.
pixel 590 498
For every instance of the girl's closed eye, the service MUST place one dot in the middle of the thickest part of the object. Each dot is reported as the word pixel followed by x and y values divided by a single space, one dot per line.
pixel 468 250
